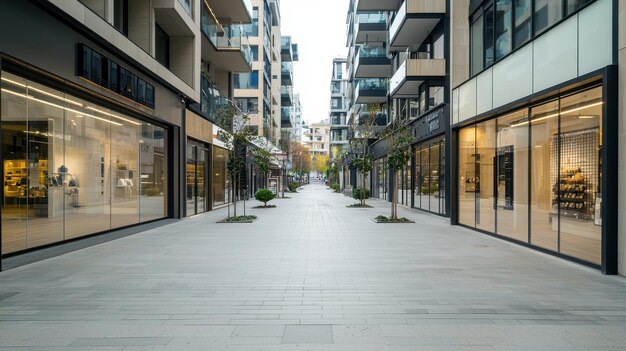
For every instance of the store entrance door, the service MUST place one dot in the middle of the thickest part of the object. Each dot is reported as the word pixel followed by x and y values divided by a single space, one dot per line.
pixel 197 156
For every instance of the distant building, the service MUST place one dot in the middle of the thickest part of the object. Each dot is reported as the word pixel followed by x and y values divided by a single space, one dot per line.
pixel 317 138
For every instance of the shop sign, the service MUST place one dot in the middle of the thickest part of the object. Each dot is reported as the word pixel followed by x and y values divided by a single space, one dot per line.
pixel 428 126
pixel 220 137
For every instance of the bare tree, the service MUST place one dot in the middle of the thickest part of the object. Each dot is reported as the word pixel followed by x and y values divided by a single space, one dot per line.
pixel 399 140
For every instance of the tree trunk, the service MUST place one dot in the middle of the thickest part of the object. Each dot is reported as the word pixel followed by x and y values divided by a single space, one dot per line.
pixel 363 190
pixel 234 182
pixel 394 197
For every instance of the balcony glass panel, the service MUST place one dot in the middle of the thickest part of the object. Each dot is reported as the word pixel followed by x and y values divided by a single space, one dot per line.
pixel 372 51
pixel 371 84
pixel 379 17
pixel 231 37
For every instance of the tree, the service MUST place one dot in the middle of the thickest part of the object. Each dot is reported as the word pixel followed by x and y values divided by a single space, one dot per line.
pixel 262 159
pixel 322 164
pixel 363 130
pixel 265 196
pixel 236 137
pixel 399 140
pixel 300 159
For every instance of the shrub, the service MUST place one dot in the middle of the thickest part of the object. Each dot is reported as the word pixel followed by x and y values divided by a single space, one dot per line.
pixel 336 187
pixel 293 186
pixel 356 194
pixel 153 192
pixel 264 196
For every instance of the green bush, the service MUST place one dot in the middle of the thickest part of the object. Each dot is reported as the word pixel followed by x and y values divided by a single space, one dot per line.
pixel 356 194
pixel 336 187
pixel 264 196
pixel 153 192
pixel 293 186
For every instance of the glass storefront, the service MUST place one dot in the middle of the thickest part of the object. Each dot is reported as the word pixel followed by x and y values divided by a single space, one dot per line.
pixel 429 176
pixel 197 168
pixel 221 182
pixel 379 174
pixel 534 175
pixel 73 168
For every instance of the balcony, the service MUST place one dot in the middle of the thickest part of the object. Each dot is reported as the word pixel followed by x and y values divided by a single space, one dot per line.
pixel 377 5
pixel 286 73
pixel 370 91
pixel 286 96
pixel 372 62
pixel 238 11
pixel 414 22
pixel 225 46
pixel 286 49
pixel 407 79
pixel 174 16
pixel 286 117
pixel 370 27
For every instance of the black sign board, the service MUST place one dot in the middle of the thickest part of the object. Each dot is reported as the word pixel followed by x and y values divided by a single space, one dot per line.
pixel 428 126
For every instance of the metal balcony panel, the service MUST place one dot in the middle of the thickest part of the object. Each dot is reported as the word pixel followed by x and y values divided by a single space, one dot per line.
pixel 377 5
pixel 230 60
pixel 414 22
pixel 372 67
pixel 370 96
pixel 412 73
pixel 238 11
pixel 173 18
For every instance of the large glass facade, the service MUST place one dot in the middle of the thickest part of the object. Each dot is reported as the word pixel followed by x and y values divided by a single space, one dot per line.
pixel 221 182
pixel 429 176
pixel 197 168
pixel 380 182
pixel 73 168
pixel 534 175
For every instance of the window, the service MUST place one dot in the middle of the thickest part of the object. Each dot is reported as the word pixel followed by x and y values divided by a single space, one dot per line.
pixel 336 87
pixel 477 46
pixel 488 41
pixel 162 46
pixel 547 13
pixel 523 21
pixel 255 52
pixel 248 105
pixel 252 29
pixel 336 103
pixel 503 28
pixel 247 80
pixel 435 96
pixel 120 16
pixel 438 47
pixel 575 5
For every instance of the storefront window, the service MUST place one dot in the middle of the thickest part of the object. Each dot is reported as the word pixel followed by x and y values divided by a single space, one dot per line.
pixel 561 142
pixel 579 178
pixel 221 184
pixel 72 168
pixel 485 177
pixel 429 191
pixel 544 127
pixel 512 175
pixel 467 176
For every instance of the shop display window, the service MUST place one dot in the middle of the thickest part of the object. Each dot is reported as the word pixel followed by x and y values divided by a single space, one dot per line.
pixel 535 175
pixel 73 168
pixel 429 176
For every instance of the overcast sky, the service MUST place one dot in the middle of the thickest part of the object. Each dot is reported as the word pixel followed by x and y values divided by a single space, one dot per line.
pixel 319 29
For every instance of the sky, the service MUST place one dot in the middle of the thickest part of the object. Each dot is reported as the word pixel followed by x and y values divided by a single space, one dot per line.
pixel 319 29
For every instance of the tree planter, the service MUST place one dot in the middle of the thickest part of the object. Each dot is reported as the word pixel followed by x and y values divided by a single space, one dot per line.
pixel 359 206
pixel 239 219
pixel 383 219
pixel 268 206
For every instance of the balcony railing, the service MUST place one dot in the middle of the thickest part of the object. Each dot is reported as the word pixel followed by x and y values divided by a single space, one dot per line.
pixel 380 17
pixel 225 37
pixel 416 7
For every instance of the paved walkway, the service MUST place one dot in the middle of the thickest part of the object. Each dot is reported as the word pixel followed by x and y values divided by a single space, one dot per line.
pixel 311 275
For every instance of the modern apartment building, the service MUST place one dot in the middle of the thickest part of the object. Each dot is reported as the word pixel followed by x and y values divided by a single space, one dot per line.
pixel 108 111
pixel 290 102
pixel 272 72
pixel 317 139
pixel 339 105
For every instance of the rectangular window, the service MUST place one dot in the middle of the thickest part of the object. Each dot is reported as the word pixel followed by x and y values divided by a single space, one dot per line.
pixel 477 46
pixel 86 64
pixel 162 46
pixel 488 38
pixel 113 76
pixel 575 5
pixel 96 68
pixel 248 105
pixel 503 28
pixel 120 16
pixel 547 13
pixel 247 80
pixel 435 96
pixel 255 52
pixel 523 21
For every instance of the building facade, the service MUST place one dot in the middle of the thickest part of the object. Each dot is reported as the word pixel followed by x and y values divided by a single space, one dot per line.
pixel 339 105
pixel 515 115
pixel 116 124
pixel 317 139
